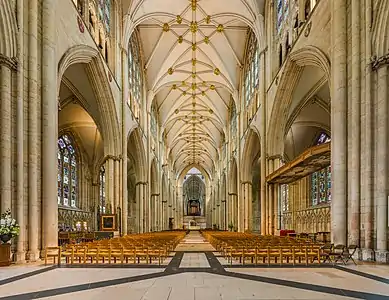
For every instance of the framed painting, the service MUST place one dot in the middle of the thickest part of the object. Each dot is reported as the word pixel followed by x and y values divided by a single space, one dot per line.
pixel 108 222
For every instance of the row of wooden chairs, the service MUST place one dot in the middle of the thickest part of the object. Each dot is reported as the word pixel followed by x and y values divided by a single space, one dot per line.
pixel 275 249
pixel 134 248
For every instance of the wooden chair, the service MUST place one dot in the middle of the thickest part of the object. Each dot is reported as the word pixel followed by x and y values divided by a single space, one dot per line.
pixel 54 252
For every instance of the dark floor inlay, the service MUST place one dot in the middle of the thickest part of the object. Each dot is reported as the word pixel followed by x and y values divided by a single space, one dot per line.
pixel 363 274
pixel 216 266
pixel 174 264
pixel 82 287
pixel 308 286
pixel 26 275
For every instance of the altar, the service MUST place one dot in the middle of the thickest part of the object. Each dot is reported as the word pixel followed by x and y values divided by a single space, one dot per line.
pixel 193 225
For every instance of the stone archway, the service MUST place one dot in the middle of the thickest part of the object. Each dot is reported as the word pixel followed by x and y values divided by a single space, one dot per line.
pixel 250 180
pixel 233 197
pixel 154 212
pixel 306 57
pixel 137 210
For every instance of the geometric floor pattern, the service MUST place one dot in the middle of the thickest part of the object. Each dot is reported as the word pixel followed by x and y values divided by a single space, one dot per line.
pixel 194 275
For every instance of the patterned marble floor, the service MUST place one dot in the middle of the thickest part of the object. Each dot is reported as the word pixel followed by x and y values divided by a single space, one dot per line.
pixel 194 276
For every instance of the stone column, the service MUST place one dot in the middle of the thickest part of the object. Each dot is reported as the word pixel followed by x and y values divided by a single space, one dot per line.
pixel 270 202
pixel 367 211
pixel 247 204
pixel 110 184
pixel 124 195
pixel 5 133
pixel 139 206
pixel 339 123
pixel 49 125
pixel 117 183
pixel 33 117
pixel 355 180
pixel 262 95
pixel 382 254
pixel 230 203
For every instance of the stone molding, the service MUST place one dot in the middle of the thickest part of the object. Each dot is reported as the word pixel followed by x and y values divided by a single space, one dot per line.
pixel 10 63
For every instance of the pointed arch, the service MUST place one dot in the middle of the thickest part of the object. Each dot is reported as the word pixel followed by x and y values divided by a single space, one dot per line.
pixel 8 30
pixel 137 151
pixel 294 66
pixel 95 70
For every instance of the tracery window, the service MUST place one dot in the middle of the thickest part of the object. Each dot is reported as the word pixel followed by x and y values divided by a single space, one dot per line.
pixel 134 69
pixel 67 185
pixel 105 14
pixel 102 189
pixel 251 68
pixel 285 197
pixel 282 9
pixel 321 180
pixel 153 121
pixel 233 120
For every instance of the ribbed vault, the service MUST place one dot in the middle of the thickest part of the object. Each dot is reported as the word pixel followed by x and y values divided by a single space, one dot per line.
pixel 193 53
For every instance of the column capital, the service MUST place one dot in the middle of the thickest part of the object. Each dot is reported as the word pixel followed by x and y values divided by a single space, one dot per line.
pixel 8 62
pixel 141 183
pixel 247 182
pixel 113 157
pixel 379 62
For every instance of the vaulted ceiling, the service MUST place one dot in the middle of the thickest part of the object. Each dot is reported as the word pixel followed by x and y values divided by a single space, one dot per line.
pixel 193 53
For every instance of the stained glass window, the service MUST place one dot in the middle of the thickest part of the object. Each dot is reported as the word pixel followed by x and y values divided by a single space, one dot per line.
pixel 251 68
pixel 321 180
pixel 282 9
pixel 67 182
pixel 102 189
pixel 105 13
pixel 134 69
pixel 285 197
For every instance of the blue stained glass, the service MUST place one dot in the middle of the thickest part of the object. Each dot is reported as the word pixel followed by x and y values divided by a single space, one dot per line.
pixel 67 171
pixel 61 143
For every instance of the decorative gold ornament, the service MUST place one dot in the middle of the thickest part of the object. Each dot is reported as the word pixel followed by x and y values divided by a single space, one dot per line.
pixel 194 5
pixel 216 71
pixel 174 87
pixel 202 93
pixel 220 28
pixel 166 27
pixel 194 61
pixel 194 86
pixel 194 75
pixel 208 19
pixel 193 27
pixel 206 40
pixel 183 83
pixel 212 87
pixel 176 111
pixel 184 93
pixel 179 19
pixel 211 111
pixel 194 104
pixel 194 47
pixel 193 96
pixel 170 71
pixel 180 39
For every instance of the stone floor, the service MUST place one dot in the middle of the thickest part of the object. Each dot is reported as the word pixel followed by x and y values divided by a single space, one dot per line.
pixel 194 275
